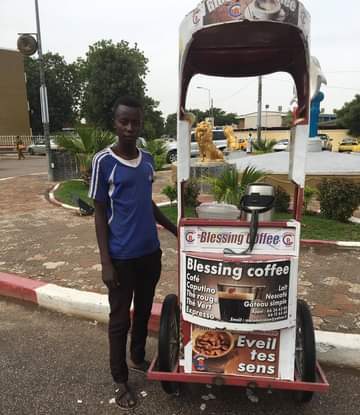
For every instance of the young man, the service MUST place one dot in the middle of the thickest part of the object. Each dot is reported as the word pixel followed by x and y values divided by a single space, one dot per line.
pixel 130 253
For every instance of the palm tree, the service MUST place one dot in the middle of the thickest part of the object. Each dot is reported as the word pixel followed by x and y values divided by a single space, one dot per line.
pixel 231 185
pixel 157 148
pixel 264 146
pixel 84 145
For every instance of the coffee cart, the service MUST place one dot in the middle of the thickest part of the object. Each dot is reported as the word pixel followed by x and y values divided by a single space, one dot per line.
pixel 237 320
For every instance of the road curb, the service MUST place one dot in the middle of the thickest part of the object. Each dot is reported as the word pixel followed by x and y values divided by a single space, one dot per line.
pixel 339 349
pixel 85 304
pixel 343 244
pixel 54 201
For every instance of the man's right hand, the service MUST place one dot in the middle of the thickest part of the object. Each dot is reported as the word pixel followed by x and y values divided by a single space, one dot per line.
pixel 108 275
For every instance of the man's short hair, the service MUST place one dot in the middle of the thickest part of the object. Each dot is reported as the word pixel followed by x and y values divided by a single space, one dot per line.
pixel 128 101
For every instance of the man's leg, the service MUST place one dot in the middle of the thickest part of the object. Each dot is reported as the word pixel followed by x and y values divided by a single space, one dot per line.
pixel 119 323
pixel 148 270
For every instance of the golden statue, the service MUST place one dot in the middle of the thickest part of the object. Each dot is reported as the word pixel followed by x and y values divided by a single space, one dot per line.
pixel 232 142
pixel 204 138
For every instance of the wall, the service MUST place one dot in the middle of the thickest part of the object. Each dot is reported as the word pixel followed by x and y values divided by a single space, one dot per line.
pixel 269 119
pixel 14 115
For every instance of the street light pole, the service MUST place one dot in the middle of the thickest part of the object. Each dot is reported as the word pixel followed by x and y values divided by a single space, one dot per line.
pixel 211 110
pixel 259 110
pixel 266 121
pixel 43 96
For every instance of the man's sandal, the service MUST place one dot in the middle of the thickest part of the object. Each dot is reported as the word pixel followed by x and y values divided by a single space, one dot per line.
pixel 124 397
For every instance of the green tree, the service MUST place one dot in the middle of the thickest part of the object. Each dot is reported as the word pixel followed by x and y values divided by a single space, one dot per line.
pixel 220 116
pixel 63 83
pixel 84 145
pixel 223 118
pixel 349 116
pixel 200 115
pixel 111 70
pixel 171 120
pixel 153 119
pixel 171 125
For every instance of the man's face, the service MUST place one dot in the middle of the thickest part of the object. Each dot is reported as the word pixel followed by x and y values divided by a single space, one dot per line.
pixel 128 123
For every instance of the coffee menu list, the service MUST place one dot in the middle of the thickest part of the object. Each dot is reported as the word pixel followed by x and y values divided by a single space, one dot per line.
pixel 236 292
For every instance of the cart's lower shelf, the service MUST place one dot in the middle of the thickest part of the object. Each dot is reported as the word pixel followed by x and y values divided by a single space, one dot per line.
pixel 178 376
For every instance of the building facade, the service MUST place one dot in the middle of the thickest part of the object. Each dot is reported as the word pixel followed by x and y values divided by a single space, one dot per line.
pixel 269 119
pixel 14 111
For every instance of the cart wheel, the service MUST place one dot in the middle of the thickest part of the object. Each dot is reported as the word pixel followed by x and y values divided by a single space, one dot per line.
pixel 169 339
pixel 305 353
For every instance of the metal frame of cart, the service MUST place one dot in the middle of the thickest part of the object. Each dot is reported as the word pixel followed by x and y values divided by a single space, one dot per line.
pixel 233 39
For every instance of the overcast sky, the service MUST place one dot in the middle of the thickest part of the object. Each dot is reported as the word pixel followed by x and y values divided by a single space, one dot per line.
pixel 70 26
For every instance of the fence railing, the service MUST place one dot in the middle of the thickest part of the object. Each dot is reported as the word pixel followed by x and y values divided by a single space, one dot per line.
pixel 10 140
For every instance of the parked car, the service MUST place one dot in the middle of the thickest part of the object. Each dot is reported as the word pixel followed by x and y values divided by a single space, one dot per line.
pixel 281 145
pixel 326 142
pixel 167 137
pixel 171 146
pixel 39 147
pixel 349 144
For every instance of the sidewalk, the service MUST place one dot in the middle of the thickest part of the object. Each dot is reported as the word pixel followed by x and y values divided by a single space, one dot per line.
pixel 51 244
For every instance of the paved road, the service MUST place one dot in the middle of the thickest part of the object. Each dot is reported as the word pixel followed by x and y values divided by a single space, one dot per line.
pixel 55 245
pixel 10 166
pixel 54 364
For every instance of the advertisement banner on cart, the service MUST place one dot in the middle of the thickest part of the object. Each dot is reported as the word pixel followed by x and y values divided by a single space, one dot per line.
pixel 217 293
pixel 234 353
pixel 269 354
pixel 285 11
pixel 279 241
pixel 210 12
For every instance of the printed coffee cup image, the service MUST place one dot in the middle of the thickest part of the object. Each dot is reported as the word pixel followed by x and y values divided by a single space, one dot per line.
pixel 213 344
pixel 265 10
pixel 234 299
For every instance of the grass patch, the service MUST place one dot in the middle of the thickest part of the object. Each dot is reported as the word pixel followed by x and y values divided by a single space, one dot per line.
pixel 317 227
pixel 171 212
pixel 67 191
pixel 313 226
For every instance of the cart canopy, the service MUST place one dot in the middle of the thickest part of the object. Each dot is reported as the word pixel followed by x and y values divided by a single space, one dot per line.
pixel 246 38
